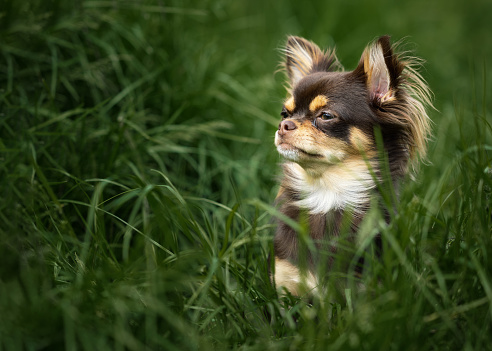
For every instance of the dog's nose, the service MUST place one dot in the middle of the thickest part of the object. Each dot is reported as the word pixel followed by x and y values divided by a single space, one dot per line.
pixel 286 126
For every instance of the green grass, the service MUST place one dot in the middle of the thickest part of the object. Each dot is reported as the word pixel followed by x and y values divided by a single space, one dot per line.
pixel 137 173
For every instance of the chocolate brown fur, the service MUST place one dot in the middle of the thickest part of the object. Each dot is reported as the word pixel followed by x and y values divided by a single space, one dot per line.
pixel 328 139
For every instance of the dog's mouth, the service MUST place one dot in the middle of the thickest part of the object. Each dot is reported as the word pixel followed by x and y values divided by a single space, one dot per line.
pixel 294 153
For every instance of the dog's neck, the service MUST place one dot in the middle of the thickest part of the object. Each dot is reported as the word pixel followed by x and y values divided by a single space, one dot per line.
pixel 327 188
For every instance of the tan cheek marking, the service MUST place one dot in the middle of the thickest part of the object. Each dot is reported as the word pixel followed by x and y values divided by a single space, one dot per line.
pixel 318 102
pixel 314 141
pixel 308 134
pixel 361 141
pixel 290 104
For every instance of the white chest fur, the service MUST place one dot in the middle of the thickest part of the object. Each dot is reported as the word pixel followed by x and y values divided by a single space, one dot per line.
pixel 331 187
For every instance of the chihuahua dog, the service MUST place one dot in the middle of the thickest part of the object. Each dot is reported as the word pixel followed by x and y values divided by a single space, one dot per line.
pixel 337 127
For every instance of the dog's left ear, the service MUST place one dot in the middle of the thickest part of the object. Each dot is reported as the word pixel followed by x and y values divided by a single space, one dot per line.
pixel 381 69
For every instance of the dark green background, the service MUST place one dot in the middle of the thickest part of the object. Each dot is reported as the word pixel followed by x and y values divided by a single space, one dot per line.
pixel 137 173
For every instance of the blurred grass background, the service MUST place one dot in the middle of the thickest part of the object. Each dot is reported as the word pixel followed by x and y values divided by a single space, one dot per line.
pixel 138 172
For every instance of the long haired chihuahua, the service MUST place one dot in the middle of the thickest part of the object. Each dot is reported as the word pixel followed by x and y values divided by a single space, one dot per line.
pixel 334 125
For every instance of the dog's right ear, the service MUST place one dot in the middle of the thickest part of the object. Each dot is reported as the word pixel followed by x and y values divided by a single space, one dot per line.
pixel 303 57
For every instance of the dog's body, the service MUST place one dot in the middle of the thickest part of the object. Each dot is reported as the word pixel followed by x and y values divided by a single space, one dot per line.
pixel 328 139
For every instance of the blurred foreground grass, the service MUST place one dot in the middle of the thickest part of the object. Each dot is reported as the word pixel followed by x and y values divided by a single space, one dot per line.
pixel 137 174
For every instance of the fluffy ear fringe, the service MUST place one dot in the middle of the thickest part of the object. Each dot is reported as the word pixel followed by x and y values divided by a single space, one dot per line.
pixel 399 92
pixel 303 57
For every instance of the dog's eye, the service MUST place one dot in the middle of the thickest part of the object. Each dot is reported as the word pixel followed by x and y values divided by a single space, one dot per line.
pixel 326 116
pixel 284 114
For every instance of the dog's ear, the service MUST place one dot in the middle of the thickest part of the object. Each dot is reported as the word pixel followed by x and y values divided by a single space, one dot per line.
pixel 303 57
pixel 398 91
pixel 381 70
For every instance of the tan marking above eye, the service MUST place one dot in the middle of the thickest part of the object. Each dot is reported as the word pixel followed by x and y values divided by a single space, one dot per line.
pixel 318 102
pixel 290 104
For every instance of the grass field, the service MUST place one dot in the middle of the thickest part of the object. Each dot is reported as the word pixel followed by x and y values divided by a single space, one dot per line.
pixel 137 173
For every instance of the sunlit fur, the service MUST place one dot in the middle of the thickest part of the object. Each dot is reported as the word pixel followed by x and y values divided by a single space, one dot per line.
pixel 327 138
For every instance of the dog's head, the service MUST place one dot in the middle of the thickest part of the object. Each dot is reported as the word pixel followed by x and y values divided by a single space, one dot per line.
pixel 331 115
